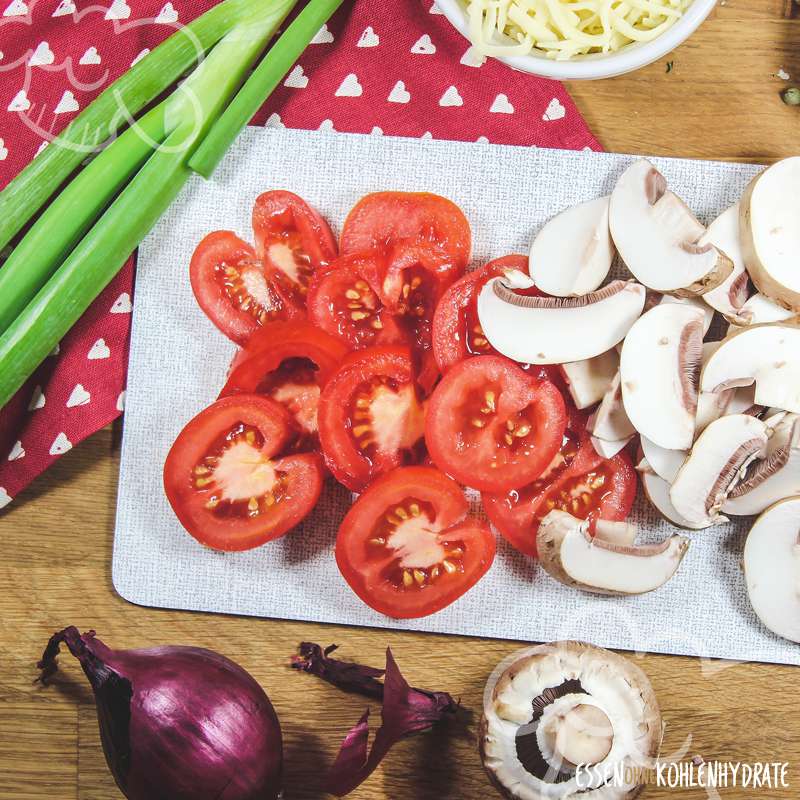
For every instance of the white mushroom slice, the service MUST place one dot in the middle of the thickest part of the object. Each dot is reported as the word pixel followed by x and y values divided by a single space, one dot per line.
pixel 731 294
pixel 588 380
pixel 715 463
pixel 656 490
pixel 550 707
pixel 774 478
pixel 622 533
pixel 769 214
pixel 658 366
pixel 610 421
pixel 572 254
pixel 759 308
pixel 569 553
pixel 554 330
pixel 656 235
pixel 772 568
pixel 663 462
pixel 608 449
pixel 768 354
pixel 695 302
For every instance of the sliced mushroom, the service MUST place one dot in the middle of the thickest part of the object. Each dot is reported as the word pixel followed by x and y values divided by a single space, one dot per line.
pixel 695 302
pixel 554 330
pixel 663 462
pixel 759 308
pixel 621 533
pixel 659 365
pixel 572 254
pixel 656 235
pixel 772 568
pixel 769 214
pixel 570 554
pixel 610 421
pixel 768 355
pixel 551 707
pixel 731 294
pixel 588 380
pixel 609 448
pixel 717 459
pixel 656 490
pixel 774 478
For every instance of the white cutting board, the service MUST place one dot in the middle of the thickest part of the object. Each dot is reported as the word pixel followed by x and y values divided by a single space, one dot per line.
pixel 178 362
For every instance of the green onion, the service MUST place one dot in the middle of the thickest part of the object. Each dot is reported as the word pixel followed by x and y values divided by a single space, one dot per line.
pixel 189 114
pixel 261 84
pixel 100 120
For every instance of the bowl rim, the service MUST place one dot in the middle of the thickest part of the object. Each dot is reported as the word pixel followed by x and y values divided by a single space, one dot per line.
pixel 600 65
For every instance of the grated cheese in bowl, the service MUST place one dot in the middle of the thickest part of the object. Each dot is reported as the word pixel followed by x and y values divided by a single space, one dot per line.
pixel 563 29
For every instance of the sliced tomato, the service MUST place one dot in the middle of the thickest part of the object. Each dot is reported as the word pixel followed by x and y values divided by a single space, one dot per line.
pixel 233 289
pixel 292 239
pixel 457 332
pixel 371 419
pixel 493 426
pixel 229 481
pixel 289 362
pixel 407 547
pixel 343 301
pixel 578 481
pixel 379 220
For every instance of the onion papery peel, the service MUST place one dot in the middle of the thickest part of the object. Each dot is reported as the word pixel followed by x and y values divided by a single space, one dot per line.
pixel 405 711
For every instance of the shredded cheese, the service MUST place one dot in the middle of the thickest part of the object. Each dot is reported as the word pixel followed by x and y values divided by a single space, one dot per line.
pixel 562 29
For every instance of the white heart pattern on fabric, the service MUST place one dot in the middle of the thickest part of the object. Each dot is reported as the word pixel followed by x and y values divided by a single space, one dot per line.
pixel 20 102
pixel 5 497
pixel 121 401
pixel 145 52
pixel 56 350
pixel 322 36
pixel 79 397
pixel 435 9
pixel 451 98
pixel 17 9
pixel 98 350
pixel 122 305
pixel 65 7
pixel 296 79
pixel 326 125
pixel 41 56
pixel 376 131
pixel 119 9
pixel 167 16
pixel 554 111
pixel 368 38
pixel 60 445
pixel 426 135
pixel 482 140
pixel 17 452
pixel 350 87
pixel 399 93
pixel 67 104
pixel 274 121
pixel 501 105
pixel 91 56
pixel 471 58
pixel 3 151
pixel 41 147
pixel 37 399
pixel 423 46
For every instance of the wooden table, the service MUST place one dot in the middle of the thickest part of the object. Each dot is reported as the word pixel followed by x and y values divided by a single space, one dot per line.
pixel 719 99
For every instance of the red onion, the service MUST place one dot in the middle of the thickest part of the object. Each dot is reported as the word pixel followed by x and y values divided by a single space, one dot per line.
pixel 178 723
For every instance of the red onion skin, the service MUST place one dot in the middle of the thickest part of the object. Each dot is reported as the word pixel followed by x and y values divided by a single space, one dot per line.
pixel 201 728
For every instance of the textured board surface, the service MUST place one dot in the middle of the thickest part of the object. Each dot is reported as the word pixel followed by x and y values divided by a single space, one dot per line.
pixel 178 363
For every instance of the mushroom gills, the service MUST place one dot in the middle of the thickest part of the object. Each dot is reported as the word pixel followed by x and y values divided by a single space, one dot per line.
pixel 772 568
pixel 759 309
pixel 554 330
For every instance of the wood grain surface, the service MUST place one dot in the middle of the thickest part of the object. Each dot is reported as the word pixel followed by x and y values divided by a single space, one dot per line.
pixel 720 99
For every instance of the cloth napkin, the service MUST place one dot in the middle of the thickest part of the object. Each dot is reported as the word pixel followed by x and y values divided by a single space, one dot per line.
pixel 377 68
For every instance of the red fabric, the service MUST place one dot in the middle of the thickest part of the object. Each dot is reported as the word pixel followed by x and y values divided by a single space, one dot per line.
pixel 397 66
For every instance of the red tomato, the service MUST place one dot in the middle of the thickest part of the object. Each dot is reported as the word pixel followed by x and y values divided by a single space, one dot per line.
pixel 233 289
pixel 289 362
pixel 370 416
pixel 578 480
pixel 228 481
pixel 407 547
pixel 492 426
pixel 457 332
pixel 380 219
pixel 292 240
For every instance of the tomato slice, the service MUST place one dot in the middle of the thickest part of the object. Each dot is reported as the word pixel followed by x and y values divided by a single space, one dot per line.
pixel 292 239
pixel 289 362
pixel 233 289
pixel 457 332
pixel 578 480
pixel 230 483
pixel 380 219
pixel 407 547
pixel 370 416
pixel 493 426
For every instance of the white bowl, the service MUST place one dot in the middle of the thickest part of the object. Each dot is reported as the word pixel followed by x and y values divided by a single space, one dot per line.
pixel 597 65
